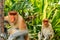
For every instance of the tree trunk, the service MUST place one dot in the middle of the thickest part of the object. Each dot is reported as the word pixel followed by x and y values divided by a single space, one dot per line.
pixel 1 17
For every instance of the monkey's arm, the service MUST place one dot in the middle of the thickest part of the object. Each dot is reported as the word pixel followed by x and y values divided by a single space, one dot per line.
pixel 23 26
pixel 52 32
pixel 39 36
pixel 18 33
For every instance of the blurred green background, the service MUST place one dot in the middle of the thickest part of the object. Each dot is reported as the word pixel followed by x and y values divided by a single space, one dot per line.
pixel 33 11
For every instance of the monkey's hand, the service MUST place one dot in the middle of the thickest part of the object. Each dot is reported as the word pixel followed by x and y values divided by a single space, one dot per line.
pixel 40 36
pixel 51 37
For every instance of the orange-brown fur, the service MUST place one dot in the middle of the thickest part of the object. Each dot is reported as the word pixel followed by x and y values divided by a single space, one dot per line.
pixel 20 24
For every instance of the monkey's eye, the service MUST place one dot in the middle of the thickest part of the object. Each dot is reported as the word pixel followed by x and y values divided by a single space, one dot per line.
pixel 12 13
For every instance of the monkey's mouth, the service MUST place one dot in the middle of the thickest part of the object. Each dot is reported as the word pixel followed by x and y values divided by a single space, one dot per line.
pixel 45 23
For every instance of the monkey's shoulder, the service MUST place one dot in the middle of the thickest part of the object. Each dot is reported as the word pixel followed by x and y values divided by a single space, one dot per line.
pixel 6 18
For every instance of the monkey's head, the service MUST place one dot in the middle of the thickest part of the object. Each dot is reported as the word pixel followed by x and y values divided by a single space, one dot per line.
pixel 45 22
pixel 13 16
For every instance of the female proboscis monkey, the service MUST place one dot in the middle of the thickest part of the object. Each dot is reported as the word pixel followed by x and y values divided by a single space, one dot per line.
pixel 47 32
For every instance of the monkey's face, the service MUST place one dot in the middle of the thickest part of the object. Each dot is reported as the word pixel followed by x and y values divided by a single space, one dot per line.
pixel 13 17
pixel 45 22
